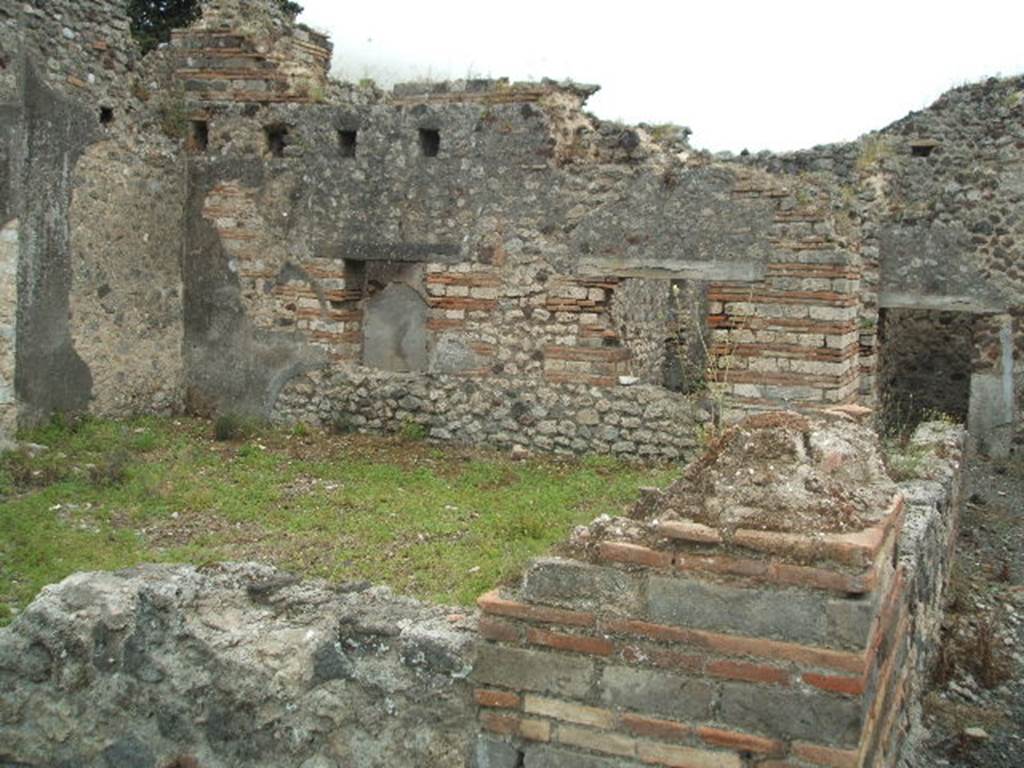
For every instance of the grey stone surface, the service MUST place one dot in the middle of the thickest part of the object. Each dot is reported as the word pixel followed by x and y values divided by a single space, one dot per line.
pixel 233 665
pixel 544 671
pixel 656 692
pixel 394 330
pixel 490 752
pixel 555 757
pixel 572 584
pixel 850 620
pixel 785 614
pixel 810 715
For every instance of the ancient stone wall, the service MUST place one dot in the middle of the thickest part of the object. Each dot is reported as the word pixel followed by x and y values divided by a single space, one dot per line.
pixel 98 217
pixel 232 219
pixel 936 200
pixel 499 411
pixel 232 666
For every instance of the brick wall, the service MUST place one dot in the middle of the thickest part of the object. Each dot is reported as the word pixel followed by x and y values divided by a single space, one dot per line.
pixel 232 56
pixel 768 649
pixel 792 336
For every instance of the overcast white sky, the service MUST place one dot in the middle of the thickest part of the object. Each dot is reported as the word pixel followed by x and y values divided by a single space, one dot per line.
pixel 758 75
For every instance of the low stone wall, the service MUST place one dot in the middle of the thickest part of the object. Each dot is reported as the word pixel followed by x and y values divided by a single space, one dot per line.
pixel 639 420
pixel 232 666
pixel 933 503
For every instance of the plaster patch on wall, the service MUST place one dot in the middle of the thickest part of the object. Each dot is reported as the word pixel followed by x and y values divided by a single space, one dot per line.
pixel 126 293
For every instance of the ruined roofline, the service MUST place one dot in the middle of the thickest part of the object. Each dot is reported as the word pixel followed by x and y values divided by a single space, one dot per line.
pixel 497 90
pixel 966 92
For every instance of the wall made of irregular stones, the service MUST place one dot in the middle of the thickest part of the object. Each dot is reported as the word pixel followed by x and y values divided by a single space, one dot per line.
pixel 98 195
pixel 233 665
pixel 126 293
pixel 499 411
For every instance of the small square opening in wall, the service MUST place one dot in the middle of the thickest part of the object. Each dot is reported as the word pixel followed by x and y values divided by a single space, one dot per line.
pixel 106 115
pixel 277 139
pixel 198 136
pixel 347 140
pixel 922 148
pixel 430 141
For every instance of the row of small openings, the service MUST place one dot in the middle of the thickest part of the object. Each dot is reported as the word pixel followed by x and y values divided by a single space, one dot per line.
pixel 277 139
pixel 430 142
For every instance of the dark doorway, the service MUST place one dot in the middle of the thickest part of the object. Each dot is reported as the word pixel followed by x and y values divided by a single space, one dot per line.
pixel 924 365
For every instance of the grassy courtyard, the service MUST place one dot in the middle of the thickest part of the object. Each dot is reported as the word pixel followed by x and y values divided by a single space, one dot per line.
pixel 440 522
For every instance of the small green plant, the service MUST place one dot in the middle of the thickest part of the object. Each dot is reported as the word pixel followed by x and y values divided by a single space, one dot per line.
pixel 111 470
pixel 233 426
pixel 669 132
pixel 525 524
pixel 172 112
pixel 906 461
pixel 873 150
pixel 301 429
pixel 144 441
pixel 413 431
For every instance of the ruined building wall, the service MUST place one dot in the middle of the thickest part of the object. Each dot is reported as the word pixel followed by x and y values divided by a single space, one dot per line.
pixel 936 198
pixel 274 223
pixel 92 212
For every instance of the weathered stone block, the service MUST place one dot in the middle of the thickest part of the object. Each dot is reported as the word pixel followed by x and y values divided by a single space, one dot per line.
pixel 492 753
pixel 569 583
pixel 553 757
pixel 817 717
pixel 784 614
pixel 656 692
pixel 850 620
pixel 533 670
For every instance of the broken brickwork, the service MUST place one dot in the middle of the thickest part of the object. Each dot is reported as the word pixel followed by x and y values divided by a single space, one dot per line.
pixel 770 634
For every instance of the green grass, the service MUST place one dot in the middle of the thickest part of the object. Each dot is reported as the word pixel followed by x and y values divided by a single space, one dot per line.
pixel 441 523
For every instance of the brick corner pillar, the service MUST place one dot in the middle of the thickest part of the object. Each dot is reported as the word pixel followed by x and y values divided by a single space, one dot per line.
pixel 688 645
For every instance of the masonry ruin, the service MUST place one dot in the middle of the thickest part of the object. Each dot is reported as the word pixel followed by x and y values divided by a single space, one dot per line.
pixel 219 226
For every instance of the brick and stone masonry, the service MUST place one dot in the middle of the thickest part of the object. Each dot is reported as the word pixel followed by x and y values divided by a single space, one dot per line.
pixel 698 636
